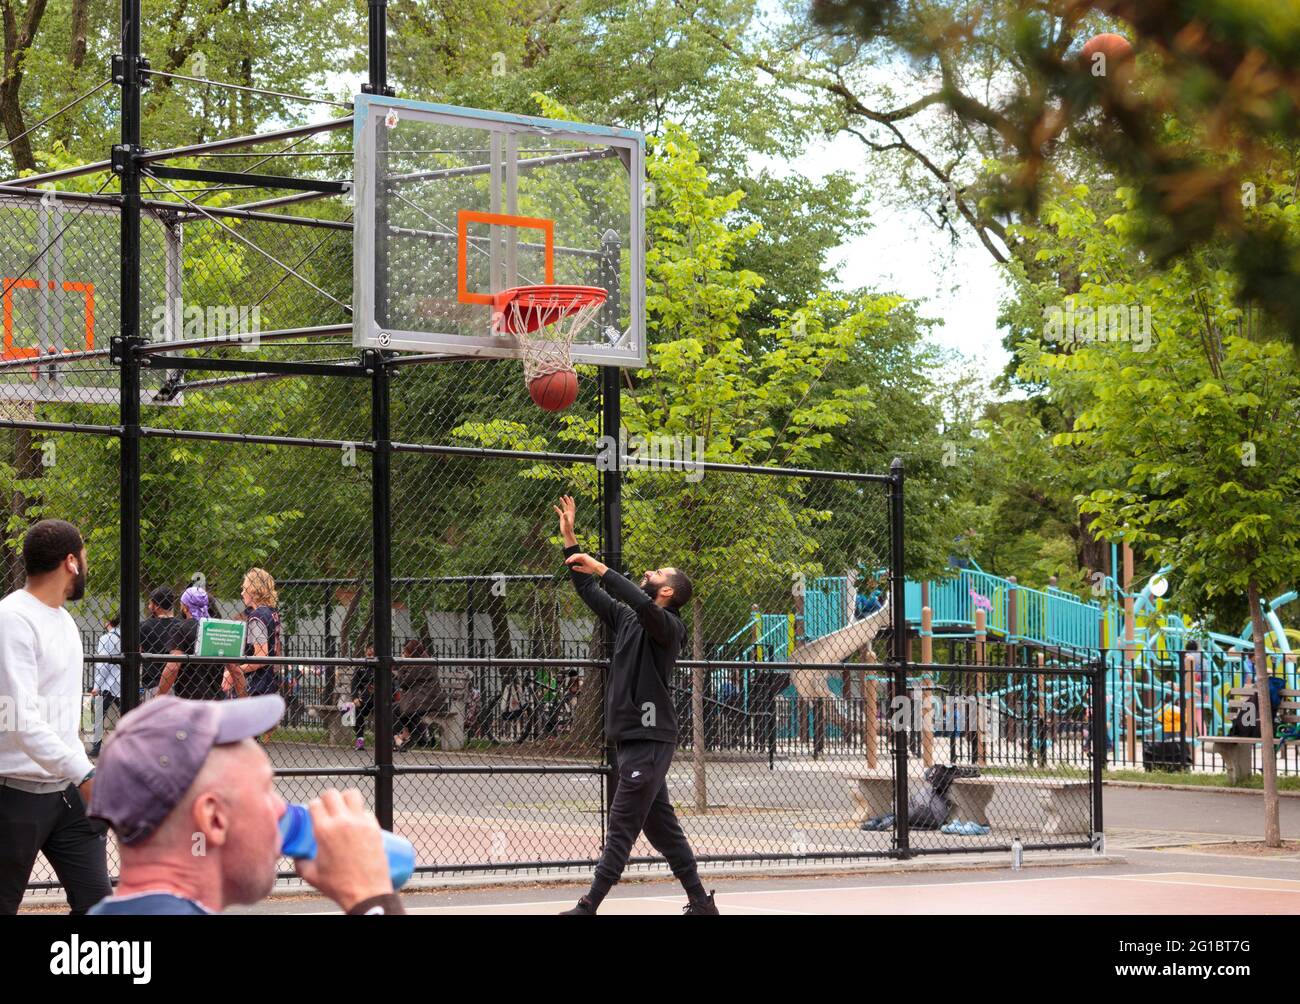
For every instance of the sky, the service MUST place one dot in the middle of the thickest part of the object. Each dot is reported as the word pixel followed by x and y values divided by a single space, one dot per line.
pixel 903 252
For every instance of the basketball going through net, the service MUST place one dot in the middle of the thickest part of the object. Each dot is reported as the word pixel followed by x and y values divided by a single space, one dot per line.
pixel 545 320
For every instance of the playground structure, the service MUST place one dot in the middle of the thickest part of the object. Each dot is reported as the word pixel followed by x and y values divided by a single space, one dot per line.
pixel 1168 678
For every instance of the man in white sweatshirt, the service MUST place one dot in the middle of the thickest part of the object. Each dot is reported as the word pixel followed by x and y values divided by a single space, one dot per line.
pixel 45 775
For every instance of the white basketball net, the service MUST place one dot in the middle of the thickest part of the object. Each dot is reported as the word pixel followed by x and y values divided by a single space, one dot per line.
pixel 546 349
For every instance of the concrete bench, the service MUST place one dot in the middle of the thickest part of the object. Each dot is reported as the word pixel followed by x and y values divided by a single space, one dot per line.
pixel 1238 752
pixel 1060 800
pixel 336 733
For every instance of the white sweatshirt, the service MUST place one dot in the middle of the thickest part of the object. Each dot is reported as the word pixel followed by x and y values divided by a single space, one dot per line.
pixel 40 692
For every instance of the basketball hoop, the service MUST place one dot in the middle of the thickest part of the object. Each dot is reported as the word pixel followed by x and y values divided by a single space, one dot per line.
pixel 545 320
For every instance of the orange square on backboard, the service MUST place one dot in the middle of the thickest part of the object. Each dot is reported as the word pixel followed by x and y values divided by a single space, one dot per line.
pixel 466 216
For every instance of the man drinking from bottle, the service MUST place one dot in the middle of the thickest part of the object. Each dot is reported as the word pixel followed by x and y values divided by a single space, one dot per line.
pixel 192 799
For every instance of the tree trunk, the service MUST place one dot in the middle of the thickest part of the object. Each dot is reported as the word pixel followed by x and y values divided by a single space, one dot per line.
pixel 18 40
pixel 697 708
pixel 80 22
pixel 500 618
pixel 1272 827
pixel 1091 551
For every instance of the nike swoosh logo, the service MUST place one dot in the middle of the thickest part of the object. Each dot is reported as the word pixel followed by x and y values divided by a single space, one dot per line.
pixel 636 773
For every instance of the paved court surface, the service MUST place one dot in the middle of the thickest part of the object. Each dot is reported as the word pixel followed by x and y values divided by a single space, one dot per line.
pixel 1147 882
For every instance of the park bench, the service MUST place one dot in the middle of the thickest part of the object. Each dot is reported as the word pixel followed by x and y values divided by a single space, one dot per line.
pixel 1238 752
pixel 1061 800
pixel 331 715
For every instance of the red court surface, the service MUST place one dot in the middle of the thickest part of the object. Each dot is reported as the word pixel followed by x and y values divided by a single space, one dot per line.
pixel 1158 893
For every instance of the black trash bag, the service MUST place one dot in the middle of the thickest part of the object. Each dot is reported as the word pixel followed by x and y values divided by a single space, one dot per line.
pixel 930 809
pixel 1245 723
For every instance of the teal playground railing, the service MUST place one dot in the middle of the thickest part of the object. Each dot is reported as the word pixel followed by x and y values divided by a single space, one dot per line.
pixel 1051 618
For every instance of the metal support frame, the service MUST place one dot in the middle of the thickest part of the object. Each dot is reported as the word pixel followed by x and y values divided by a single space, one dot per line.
pixel 898 616
pixel 282 367
pixel 128 338
pixel 381 492
pixel 250 180
pixel 611 483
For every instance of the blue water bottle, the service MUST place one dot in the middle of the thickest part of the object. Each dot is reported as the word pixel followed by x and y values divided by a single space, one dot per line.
pixel 298 841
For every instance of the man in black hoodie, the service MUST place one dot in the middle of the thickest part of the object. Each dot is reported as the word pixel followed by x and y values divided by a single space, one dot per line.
pixel 640 722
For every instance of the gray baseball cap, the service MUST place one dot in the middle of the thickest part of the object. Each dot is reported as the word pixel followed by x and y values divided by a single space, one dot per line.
pixel 155 753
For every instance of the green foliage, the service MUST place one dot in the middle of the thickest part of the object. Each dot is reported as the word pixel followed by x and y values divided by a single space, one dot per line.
pixel 1189 439
pixel 1200 122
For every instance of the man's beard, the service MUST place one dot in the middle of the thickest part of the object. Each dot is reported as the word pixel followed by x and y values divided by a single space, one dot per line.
pixel 78 584
pixel 649 590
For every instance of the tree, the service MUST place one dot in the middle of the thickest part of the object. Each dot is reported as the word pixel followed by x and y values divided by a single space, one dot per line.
pixel 1195 126
pixel 21 26
pixel 1191 432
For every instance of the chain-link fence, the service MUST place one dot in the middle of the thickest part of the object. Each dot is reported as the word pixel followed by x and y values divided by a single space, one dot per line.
pixel 416 614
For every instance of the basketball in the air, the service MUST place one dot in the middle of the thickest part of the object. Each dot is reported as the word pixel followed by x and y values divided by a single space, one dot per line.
pixel 554 391
pixel 1116 48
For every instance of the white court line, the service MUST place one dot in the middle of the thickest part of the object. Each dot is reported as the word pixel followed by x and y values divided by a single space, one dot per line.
pixel 1161 877
pixel 728 908
pixel 1173 878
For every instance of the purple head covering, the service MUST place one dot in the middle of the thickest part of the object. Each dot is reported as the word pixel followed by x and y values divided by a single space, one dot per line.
pixel 195 600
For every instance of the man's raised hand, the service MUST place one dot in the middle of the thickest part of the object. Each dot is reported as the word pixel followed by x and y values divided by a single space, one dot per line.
pixel 566 510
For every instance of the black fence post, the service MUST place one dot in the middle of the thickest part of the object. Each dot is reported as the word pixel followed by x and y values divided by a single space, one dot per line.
pixel 898 611
pixel 1098 736
pixel 126 73
pixel 381 521
pixel 381 479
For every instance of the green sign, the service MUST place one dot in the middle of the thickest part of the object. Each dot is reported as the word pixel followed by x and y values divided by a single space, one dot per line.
pixel 221 639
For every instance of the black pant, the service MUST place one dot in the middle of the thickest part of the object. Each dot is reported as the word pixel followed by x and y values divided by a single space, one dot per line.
pixel 639 803
pixel 55 825
pixel 362 707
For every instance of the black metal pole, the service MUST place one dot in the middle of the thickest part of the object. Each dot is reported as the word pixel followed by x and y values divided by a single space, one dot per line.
pixel 381 526
pixel 378 47
pixel 381 491
pixel 1098 736
pixel 611 415
pixel 611 477
pixel 898 612
pixel 126 74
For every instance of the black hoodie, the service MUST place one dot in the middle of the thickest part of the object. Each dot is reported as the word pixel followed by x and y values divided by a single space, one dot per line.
pixel 647 640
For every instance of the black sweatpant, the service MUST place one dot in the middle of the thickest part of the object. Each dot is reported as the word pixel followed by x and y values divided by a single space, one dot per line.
pixel 639 803
pixel 362 708
pixel 55 825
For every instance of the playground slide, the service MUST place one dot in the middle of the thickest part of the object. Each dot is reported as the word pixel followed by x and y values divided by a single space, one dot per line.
pixel 835 647
pixel 839 645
